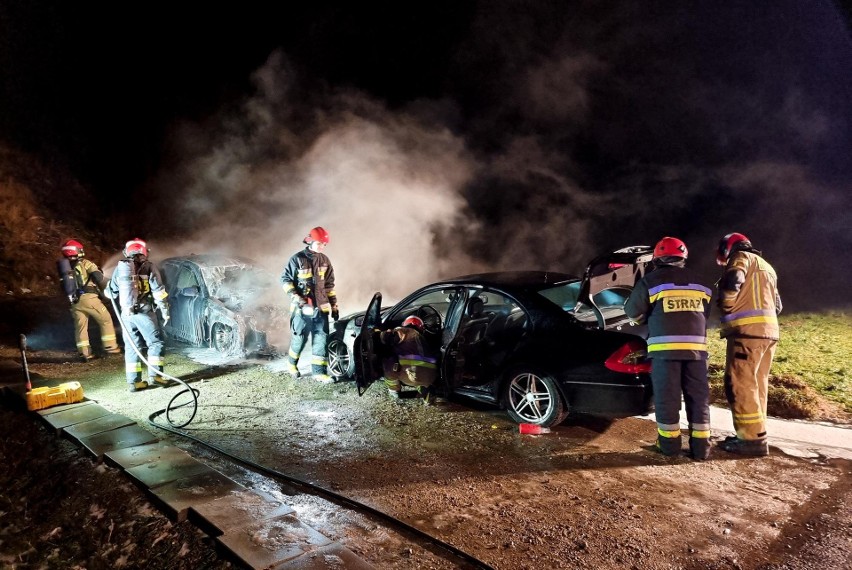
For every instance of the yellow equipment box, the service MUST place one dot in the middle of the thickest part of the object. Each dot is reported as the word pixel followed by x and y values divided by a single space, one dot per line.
pixel 67 393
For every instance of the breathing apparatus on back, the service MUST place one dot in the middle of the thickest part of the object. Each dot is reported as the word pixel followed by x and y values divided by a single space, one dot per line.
pixel 133 289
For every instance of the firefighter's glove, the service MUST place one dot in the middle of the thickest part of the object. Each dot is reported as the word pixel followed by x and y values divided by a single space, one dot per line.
pixel 335 313
pixel 301 301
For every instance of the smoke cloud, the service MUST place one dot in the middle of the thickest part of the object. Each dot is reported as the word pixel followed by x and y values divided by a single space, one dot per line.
pixel 558 135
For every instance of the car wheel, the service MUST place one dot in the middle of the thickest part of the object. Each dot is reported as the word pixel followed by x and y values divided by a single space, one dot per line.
pixel 223 338
pixel 340 362
pixel 531 398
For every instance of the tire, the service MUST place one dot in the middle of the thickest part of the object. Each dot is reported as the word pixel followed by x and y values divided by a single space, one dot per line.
pixel 224 339
pixel 532 398
pixel 341 365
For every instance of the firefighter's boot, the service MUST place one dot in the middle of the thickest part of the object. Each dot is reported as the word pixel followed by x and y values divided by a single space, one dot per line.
pixel 290 368
pixel 137 386
pixel 323 378
pixel 751 447
pixel 427 394
pixel 699 448
pixel 668 446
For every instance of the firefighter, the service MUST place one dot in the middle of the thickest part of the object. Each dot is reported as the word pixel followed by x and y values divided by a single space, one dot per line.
pixel 84 283
pixel 675 306
pixel 749 302
pixel 138 289
pixel 308 279
pixel 413 363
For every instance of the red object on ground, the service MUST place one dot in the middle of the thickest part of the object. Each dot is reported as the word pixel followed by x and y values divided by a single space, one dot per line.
pixel 532 429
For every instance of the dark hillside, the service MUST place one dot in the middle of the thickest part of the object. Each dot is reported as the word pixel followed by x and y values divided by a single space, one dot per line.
pixel 42 205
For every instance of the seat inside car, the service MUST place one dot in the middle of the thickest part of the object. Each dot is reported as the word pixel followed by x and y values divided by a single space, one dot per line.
pixel 473 329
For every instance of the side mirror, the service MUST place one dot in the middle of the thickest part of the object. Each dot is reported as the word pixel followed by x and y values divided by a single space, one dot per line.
pixel 190 291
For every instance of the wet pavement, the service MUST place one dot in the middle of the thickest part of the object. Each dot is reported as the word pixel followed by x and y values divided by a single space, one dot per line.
pixel 256 530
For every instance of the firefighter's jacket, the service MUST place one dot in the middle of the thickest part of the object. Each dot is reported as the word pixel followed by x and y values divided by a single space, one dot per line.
pixel 309 277
pixel 748 297
pixel 675 307
pixel 412 363
pixel 80 277
pixel 138 287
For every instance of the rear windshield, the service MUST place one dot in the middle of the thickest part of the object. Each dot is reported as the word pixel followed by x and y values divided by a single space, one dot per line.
pixel 566 297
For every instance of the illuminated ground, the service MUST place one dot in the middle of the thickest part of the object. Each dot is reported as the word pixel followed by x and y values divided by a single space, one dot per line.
pixel 590 494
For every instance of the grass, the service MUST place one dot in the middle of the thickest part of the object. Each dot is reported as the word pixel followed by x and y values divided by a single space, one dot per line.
pixel 811 366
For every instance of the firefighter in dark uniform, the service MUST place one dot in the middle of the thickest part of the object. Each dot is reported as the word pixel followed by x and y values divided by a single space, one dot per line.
pixel 750 304
pixel 413 362
pixel 308 278
pixel 83 282
pixel 676 307
pixel 138 289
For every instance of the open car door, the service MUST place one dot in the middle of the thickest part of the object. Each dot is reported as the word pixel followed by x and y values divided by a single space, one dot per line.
pixel 609 278
pixel 368 365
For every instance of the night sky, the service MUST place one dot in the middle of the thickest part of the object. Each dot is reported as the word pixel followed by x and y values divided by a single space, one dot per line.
pixel 440 138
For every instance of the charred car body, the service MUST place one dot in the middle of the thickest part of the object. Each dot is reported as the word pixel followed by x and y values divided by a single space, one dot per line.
pixel 225 303
pixel 538 344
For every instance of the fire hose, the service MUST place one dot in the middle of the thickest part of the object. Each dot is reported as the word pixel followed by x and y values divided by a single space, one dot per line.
pixel 128 338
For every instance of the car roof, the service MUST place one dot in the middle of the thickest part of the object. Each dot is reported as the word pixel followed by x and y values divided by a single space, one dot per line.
pixel 211 260
pixel 532 280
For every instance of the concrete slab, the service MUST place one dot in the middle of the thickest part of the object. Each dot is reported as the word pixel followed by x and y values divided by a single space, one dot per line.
pixel 156 473
pixel 78 415
pixel 237 509
pixel 64 407
pixel 177 497
pixel 128 436
pixel 266 543
pixel 334 556
pixel 98 425
pixel 128 457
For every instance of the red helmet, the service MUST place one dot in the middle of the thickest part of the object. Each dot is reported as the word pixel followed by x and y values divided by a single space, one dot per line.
pixel 317 234
pixel 726 245
pixel 415 322
pixel 135 247
pixel 670 247
pixel 73 248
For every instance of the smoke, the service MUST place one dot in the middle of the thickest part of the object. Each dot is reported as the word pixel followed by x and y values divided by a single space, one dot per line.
pixel 382 183
pixel 558 134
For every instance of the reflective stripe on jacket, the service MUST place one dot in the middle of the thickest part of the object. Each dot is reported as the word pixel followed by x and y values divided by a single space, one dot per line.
pixel 309 274
pixel 89 278
pixel 675 307
pixel 748 297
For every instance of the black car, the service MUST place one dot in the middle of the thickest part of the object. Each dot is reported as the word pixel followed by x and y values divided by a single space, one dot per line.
pixel 226 303
pixel 538 344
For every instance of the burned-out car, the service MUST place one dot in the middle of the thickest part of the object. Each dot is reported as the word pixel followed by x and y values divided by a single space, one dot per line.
pixel 538 344
pixel 225 303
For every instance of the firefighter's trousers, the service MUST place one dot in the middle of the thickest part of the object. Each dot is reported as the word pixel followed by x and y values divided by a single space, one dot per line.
pixel 90 307
pixel 670 379
pixel 146 334
pixel 747 366
pixel 304 326
pixel 397 375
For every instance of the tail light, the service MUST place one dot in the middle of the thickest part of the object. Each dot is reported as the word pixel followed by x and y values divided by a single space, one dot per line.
pixel 632 358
